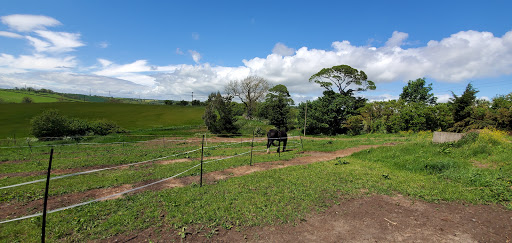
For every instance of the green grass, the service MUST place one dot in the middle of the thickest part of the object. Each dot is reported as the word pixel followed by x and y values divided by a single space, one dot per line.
pixel 15 118
pixel 415 168
pixel 16 96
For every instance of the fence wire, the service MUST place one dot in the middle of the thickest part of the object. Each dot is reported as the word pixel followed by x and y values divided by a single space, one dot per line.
pixel 130 190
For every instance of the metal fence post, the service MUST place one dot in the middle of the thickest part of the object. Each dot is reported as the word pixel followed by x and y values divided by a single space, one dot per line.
pixel 201 177
pixel 46 197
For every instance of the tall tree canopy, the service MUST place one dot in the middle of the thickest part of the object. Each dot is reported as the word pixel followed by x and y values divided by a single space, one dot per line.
pixel 329 113
pixel 462 107
pixel 218 115
pixel 416 92
pixel 346 79
pixel 250 91
pixel 276 107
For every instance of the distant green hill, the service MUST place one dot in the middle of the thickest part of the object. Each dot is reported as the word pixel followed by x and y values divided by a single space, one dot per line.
pixel 15 118
pixel 16 96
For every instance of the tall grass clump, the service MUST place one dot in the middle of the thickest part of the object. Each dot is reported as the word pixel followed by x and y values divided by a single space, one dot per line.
pixel 476 169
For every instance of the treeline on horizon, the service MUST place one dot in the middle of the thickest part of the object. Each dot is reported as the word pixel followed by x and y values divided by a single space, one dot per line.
pixel 69 97
pixel 340 111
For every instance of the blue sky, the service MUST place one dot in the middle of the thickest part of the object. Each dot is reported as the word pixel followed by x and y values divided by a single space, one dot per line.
pixel 168 49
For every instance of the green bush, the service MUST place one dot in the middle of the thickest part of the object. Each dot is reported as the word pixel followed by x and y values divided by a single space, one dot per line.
pixel 104 127
pixel 49 124
pixel 78 127
pixel 52 124
pixel 27 100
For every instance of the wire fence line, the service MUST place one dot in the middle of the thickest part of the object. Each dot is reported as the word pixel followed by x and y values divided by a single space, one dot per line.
pixel 113 167
pixel 130 190
pixel 73 144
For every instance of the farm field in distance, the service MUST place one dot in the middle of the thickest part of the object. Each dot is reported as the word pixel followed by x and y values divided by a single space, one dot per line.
pixel 15 118
pixel 313 180
pixel 16 96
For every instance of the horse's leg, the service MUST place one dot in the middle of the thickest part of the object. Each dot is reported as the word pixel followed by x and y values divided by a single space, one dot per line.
pixel 284 144
pixel 268 146
pixel 279 145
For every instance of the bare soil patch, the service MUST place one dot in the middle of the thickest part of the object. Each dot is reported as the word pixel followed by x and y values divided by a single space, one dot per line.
pixel 380 218
pixel 372 218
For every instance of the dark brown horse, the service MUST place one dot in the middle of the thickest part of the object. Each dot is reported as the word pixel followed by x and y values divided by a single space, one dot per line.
pixel 276 136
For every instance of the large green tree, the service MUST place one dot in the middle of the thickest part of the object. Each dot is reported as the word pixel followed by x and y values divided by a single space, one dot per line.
pixel 329 113
pixel 218 115
pixel 277 107
pixel 462 107
pixel 346 79
pixel 416 92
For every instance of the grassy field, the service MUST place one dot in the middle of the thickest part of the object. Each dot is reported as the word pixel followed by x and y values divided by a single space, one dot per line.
pixel 15 96
pixel 15 118
pixel 476 170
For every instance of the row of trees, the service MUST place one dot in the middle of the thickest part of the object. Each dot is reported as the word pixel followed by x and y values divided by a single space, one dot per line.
pixel 416 110
pixel 341 111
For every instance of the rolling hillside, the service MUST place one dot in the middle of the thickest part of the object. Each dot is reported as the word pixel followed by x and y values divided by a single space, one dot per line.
pixel 15 118
pixel 16 96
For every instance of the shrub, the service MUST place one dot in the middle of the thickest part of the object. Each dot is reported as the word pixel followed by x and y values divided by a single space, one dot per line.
pixel 104 127
pixel 52 124
pixel 78 127
pixel 27 100
pixel 354 125
pixel 49 124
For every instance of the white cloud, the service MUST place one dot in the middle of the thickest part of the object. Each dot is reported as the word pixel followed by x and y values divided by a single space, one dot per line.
pixel 57 42
pixel 443 98
pixel 283 50
pixel 72 82
pixel 27 23
pixel 23 63
pixel 460 57
pixel 10 34
pixel 382 97
pixel 195 55
pixel 397 39
pixel 104 62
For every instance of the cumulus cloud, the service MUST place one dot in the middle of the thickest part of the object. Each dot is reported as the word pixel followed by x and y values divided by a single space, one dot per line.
pixel 282 49
pixel 10 34
pixel 27 22
pixel 195 55
pixel 397 39
pixel 464 55
pixel 460 57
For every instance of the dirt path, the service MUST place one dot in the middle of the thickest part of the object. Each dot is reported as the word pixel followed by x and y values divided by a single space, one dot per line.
pixel 379 218
pixel 14 210
pixel 373 218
